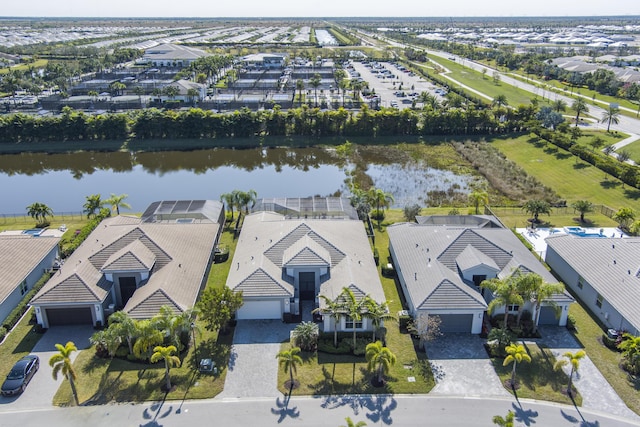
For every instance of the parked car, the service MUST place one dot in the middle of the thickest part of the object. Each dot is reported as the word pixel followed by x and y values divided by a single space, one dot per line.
pixel 20 375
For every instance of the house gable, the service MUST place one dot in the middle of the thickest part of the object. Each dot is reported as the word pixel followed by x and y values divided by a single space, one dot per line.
pixel 261 284
pixel 448 295
pixel 448 257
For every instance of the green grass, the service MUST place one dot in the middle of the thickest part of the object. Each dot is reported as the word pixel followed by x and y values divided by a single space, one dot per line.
pixel 116 380
pixel 589 333
pixel 40 63
pixel 486 85
pixel 634 151
pixel 569 176
pixel 538 380
pixel 17 344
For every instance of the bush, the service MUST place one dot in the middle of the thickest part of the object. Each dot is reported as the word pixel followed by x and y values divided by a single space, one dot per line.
pixel 69 247
pixel 403 323
pixel 388 271
pixel 21 308
pixel 571 322
pixel 325 345
pixel 376 256
pixel 3 333
pixel 611 343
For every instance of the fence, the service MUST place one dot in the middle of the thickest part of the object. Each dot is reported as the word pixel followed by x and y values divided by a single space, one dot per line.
pixel 6 219
pixel 497 211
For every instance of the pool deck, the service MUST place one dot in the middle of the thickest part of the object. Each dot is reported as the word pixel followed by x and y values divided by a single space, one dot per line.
pixel 49 232
pixel 536 237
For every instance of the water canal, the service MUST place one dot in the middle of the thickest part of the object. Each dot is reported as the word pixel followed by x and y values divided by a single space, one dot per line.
pixel 63 180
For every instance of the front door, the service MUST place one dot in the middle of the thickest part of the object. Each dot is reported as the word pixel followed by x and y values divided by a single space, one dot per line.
pixel 307 283
pixel 127 288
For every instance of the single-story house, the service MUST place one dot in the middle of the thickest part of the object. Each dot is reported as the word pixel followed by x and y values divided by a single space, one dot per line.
pixel 604 273
pixel 184 88
pixel 265 60
pixel 441 261
pixel 284 261
pixel 136 265
pixel 23 260
pixel 172 55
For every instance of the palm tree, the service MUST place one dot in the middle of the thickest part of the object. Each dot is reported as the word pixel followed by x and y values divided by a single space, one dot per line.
pixel 39 212
pixel 230 200
pixel 174 325
pixel 354 309
pixel 612 115
pixel 93 204
pixel 117 202
pixel 139 90
pixel 334 309
pixel 543 292
pixel 537 207
pixel 504 421
pixel 381 199
pixel 147 337
pixel 352 424
pixel 314 82
pixel 516 353
pixel 582 206
pixel 579 106
pixel 378 313
pixel 306 335
pixel 170 361
pixel 500 100
pixel 125 326
pixel 478 197
pixel 624 217
pixel 61 363
pixel 574 360
pixel 379 359
pixel 504 293
pixel 290 360
pixel 559 105
pixel 299 88
pixel 246 198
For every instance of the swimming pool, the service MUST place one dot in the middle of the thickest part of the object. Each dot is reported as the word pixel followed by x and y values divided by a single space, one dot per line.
pixel 581 232
pixel 34 231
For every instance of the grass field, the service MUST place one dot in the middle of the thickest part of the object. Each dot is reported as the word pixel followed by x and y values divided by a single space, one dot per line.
pixel 569 176
pixel 40 63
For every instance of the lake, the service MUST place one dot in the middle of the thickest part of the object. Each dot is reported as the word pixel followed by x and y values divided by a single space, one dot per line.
pixel 63 180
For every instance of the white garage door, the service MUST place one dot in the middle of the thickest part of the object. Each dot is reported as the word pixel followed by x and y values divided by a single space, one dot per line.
pixel 267 309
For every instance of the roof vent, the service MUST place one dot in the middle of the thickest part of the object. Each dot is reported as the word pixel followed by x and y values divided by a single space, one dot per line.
pixel 415 276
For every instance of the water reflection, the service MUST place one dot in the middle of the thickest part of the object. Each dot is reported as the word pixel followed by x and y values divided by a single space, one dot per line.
pixel 63 180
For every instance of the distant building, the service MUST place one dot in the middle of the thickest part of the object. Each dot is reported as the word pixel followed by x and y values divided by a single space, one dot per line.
pixel 172 55
pixel 265 60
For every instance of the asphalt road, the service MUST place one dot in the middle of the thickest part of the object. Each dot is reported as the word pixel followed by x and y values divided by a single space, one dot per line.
pixel 398 411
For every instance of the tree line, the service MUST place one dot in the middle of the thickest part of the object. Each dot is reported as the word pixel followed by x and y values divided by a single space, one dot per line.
pixel 196 123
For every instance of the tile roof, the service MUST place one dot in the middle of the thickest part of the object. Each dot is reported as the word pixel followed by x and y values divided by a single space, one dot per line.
pixel 19 256
pixel 267 236
pixel 610 266
pixel 306 252
pixel 430 258
pixel 182 253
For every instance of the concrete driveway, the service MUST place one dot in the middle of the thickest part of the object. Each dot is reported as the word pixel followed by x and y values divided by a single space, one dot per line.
pixel 461 367
pixel 39 394
pixel 253 367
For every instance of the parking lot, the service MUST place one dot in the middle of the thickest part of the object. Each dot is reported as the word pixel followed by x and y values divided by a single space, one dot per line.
pixel 397 87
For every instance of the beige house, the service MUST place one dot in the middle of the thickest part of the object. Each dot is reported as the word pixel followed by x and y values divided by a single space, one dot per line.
pixel 136 265
pixel 284 261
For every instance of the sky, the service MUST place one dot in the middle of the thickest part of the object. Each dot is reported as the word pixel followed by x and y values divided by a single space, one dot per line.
pixel 317 8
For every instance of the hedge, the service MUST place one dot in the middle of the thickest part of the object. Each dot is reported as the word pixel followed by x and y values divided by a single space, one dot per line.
pixel 22 307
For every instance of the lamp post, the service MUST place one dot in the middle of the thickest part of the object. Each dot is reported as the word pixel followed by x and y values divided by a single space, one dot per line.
pixel 195 344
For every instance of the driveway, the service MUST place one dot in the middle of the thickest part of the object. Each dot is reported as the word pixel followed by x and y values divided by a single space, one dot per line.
pixel 253 367
pixel 39 394
pixel 461 367
pixel 596 392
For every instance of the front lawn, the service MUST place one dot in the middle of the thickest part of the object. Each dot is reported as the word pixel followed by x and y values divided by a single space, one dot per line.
pixel 18 343
pixel 538 380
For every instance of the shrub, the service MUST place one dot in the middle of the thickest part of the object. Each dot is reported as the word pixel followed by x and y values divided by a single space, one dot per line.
pixel 306 336
pixel 387 271
pixel 361 344
pixel 571 322
pixel 325 345
pixel 3 333
pixel 376 256
pixel 611 343
pixel 403 322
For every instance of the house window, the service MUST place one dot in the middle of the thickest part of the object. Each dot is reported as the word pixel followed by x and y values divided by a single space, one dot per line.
pixel 599 301
pixel 580 282
pixel 513 308
pixel 348 324
pixel 23 287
